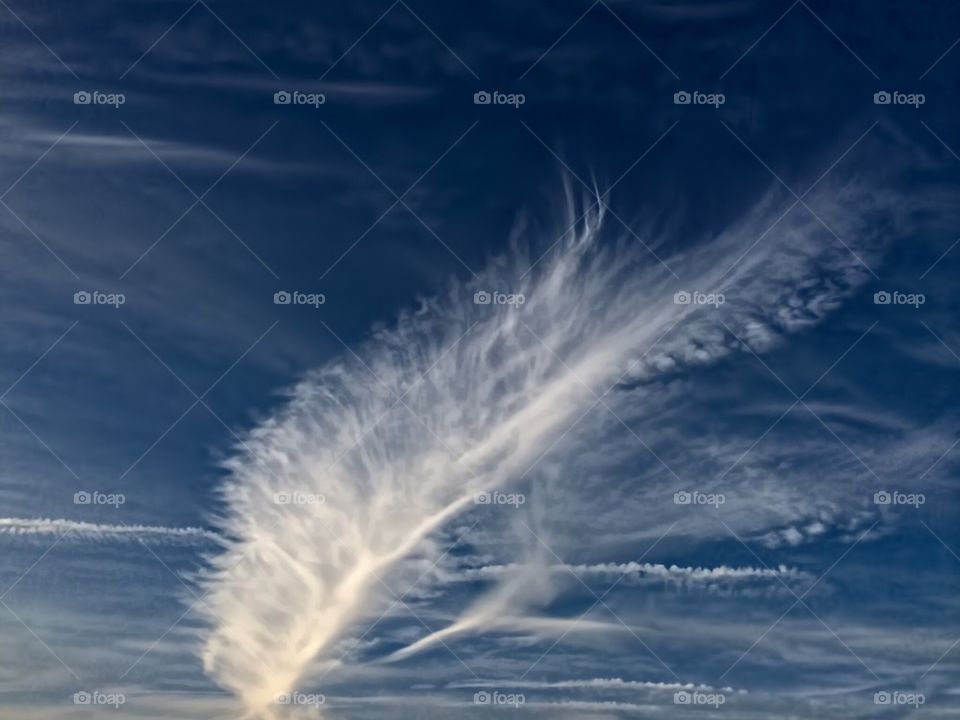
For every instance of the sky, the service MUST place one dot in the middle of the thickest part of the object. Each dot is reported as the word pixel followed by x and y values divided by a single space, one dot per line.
pixel 578 360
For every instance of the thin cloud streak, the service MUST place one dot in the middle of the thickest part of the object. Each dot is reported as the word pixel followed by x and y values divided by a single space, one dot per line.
pixel 77 531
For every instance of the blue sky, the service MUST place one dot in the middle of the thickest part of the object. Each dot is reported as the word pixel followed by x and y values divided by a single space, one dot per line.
pixel 589 402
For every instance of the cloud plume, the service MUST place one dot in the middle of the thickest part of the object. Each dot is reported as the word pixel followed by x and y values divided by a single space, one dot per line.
pixel 377 450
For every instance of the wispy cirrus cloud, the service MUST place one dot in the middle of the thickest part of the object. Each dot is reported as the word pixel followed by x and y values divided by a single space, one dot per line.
pixel 467 394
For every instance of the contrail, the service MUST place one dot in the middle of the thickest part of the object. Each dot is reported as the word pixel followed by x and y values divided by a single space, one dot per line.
pixel 596 683
pixel 377 450
pixel 656 571
pixel 73 530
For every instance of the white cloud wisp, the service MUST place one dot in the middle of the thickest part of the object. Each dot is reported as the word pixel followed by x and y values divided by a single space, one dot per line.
pixel 376 451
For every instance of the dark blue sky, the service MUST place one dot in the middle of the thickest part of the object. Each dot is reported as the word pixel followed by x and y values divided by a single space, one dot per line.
pixel 199 198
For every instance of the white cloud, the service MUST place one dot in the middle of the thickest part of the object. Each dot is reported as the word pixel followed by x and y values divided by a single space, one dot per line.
pixel 612 683
pixel 460 397
pixel 683 575
pixel 76 531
